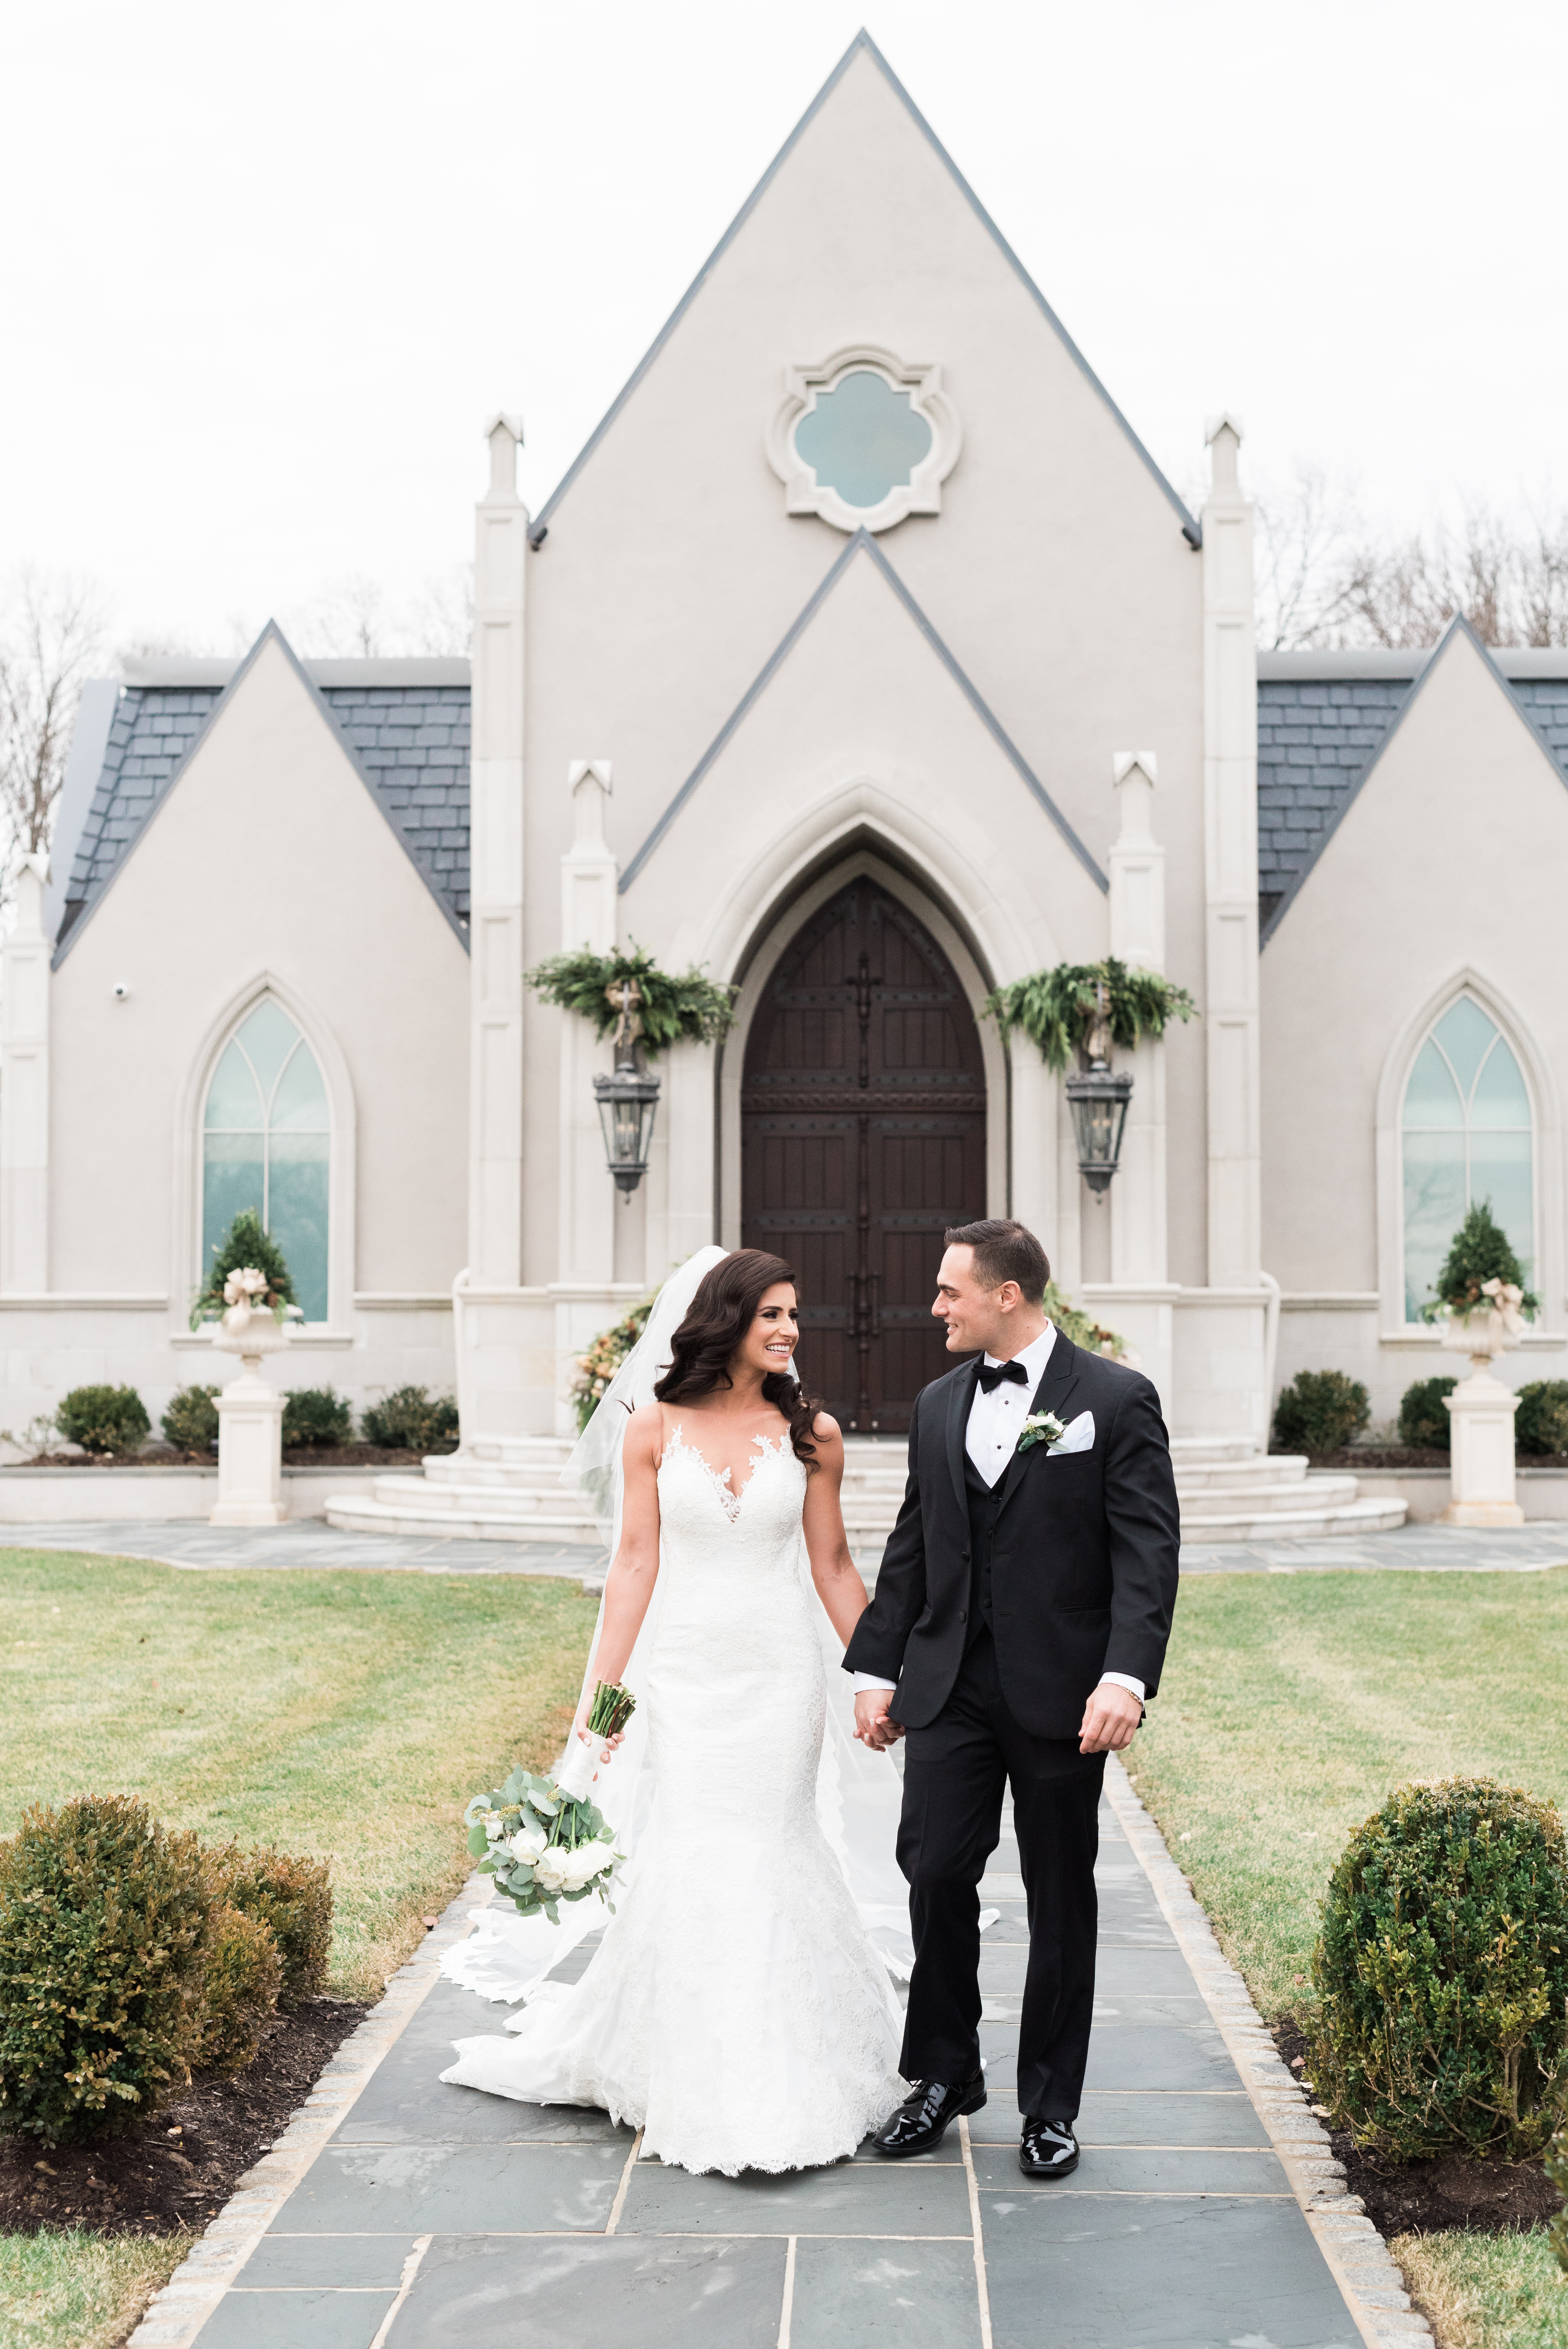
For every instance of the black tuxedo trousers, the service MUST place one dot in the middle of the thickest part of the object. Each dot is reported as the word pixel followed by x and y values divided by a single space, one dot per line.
pixel 996 1612
pixel 955 1773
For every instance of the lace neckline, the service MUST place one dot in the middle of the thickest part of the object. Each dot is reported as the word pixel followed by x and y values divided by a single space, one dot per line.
pixel 720 1478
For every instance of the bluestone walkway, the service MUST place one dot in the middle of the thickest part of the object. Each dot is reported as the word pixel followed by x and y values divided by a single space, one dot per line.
pixel 401 2214
pixel 311 1542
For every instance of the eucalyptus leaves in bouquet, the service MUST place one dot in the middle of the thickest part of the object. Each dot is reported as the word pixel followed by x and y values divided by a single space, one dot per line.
pixel 541 1846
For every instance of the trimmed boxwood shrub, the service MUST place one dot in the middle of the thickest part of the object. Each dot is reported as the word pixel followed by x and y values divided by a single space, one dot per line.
pixel 316 1415
pixel 103 1930
pixel 293 1899
pixel 411 1420
pixel 1541 1422
pixel 1442 1974
pixel 190 1422
pixel 1319 1412
pixel 242 1975
pixel 1424 1424
pixel 111 1420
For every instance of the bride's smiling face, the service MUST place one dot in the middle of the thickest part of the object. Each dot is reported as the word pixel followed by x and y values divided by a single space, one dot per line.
pixel 770 1343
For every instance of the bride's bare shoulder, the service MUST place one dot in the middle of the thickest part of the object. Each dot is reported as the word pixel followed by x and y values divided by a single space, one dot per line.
pixel 824 1432
pixel 644 1431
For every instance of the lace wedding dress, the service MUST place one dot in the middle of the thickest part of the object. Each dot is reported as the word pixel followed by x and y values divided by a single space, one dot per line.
pixel 735 2010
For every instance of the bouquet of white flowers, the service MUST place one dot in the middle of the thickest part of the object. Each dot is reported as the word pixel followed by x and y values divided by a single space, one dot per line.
pixel 541 1845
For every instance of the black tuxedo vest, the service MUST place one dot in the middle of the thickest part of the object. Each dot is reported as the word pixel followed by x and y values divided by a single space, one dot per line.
pixel 983 1502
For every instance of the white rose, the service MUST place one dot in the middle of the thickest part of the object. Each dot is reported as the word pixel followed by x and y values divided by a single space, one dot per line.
pixel 589 1860
pixel 491 1822
pixel 550 1869
pixel 527 1843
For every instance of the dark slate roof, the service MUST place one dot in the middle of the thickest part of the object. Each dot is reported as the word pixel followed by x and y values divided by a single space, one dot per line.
pixel 1322 718
pixel 1315 737
pixel 407 723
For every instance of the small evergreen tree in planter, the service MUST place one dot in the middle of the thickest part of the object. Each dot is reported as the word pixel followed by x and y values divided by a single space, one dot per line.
pixel 1424 1424
pixel 1479 1256
pixel 1319 1412
pixel 247 1265
pixel 108 1421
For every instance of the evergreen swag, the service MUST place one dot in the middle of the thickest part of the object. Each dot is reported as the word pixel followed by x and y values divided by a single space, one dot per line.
pixel 671 1007
pixel 1056 1008
pixel 1480 1252
pixel 245 1247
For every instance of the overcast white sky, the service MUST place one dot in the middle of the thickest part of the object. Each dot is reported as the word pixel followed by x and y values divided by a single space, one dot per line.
pixel 267 270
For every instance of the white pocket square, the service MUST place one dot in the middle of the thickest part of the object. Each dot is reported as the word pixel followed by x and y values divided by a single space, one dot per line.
pixel 1077 1436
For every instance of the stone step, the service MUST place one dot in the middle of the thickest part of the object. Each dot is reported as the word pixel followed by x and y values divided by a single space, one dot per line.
pixel 1351 1517
pixel 1263 1471
pixel 358 1515
pixel 1200 1451
pixel 519 1501
pixel 1309 1495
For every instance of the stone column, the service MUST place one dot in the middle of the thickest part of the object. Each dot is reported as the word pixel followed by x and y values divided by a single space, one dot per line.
pixel 495 1105
pixel 587 1192
pixel 1139 1298
pixel 1481 1412
pixel 1231 872
pixel 24 1089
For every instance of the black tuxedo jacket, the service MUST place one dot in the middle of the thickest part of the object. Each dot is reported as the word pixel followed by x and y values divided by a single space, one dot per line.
pixel 1083 1564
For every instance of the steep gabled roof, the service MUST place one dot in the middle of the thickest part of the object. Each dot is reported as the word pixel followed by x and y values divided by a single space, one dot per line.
pixel 1326 733
pixel 404 726
pixel 862 543
pixel 862 43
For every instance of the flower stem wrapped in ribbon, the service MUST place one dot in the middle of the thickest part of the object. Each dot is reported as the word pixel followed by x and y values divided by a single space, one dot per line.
pixel 541 1845
pixel 611 1709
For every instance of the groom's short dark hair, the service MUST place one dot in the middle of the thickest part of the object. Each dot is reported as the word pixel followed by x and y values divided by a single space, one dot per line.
pixel 1004 1250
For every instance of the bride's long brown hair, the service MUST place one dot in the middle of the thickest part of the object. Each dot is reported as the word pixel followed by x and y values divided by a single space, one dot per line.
pixel 717 1319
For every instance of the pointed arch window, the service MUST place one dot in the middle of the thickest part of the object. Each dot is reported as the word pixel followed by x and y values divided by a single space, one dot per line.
pixel 1468 1134
pixel 266 1142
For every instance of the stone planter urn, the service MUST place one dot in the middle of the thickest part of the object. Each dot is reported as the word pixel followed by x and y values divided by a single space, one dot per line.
pixel 250 1422
pixel 1481 1412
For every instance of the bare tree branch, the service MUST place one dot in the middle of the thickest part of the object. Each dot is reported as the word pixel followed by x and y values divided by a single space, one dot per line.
pixel 51 639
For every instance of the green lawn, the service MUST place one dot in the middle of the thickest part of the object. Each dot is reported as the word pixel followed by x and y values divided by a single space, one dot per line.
pixel 79 2292
pixel 350 1715
pixel 1291 1705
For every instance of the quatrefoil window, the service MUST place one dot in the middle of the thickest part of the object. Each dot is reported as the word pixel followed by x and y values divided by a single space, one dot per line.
pixel 864 439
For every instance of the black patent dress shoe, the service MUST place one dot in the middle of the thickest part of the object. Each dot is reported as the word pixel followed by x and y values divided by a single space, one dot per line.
pixel 1049 2149
pixel 922 2120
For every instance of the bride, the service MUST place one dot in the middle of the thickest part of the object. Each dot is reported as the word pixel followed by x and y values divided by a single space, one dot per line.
pixel 738 2009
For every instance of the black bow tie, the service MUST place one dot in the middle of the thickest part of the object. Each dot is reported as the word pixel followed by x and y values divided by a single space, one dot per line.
pixel 993 1374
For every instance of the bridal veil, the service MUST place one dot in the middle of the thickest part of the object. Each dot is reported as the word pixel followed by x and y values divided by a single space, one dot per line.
pixel 857 1792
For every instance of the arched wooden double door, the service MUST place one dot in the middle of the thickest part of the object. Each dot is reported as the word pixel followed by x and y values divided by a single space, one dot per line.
pixel 863 1136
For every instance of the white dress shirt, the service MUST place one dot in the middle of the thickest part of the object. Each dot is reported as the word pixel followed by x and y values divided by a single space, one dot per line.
pixel 995 1423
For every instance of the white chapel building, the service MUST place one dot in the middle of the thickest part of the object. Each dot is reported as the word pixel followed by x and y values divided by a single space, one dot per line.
pixel 865 658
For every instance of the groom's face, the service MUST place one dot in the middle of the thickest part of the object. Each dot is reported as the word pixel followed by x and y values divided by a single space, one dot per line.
pixel 978 1318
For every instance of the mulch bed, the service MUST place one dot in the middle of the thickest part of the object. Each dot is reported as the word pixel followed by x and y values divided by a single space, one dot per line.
pixel 1490 2198
pixel 1405 1455
pixel 296 1455
pixel 178 2169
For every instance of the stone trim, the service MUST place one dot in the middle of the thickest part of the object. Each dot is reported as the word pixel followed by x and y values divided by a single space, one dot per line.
pixel 1361 2263
pixel 176 2314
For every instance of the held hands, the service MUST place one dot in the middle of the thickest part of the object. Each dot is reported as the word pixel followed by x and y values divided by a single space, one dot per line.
pixel 874 1725
pixel 1110 1719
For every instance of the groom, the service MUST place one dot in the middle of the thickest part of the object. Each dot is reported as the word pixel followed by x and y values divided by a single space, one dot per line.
pixel 1019 1619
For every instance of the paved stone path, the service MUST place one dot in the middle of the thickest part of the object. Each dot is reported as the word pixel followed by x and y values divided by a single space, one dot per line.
pixel 401 2214
pixel 311 1542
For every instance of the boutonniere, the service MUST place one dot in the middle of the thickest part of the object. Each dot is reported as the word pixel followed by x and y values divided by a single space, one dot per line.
pixel 1041 1427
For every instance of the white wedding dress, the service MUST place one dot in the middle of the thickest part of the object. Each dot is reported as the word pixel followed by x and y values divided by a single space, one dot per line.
pixel 736 2010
